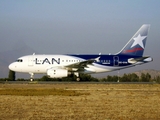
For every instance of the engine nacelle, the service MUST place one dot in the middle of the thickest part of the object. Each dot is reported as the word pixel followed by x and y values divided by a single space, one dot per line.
pixel 57 73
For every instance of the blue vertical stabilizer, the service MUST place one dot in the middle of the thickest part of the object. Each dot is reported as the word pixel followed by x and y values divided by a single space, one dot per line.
pixel 137 43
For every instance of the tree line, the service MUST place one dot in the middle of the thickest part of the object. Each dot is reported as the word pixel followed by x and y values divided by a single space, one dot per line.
pixel 132 77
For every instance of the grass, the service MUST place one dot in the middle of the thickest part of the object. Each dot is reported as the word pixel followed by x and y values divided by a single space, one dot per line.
pixel 79 101
pixel 39 92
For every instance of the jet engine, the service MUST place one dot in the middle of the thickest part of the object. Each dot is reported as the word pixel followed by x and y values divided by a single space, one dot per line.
pixel 57 73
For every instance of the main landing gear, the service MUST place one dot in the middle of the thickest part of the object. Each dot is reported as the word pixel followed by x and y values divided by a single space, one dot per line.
pixel 77 75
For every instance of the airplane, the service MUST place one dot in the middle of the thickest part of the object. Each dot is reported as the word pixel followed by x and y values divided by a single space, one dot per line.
pixel 58 66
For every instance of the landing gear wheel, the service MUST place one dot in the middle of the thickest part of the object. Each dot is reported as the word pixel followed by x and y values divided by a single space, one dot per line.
pixel 78 79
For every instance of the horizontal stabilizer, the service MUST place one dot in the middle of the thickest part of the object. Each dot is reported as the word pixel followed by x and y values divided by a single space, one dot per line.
pixel 134 60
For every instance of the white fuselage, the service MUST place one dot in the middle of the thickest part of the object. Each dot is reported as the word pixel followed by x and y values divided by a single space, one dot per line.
pixel 41 63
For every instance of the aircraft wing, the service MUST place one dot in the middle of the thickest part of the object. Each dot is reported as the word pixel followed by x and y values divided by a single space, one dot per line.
pixel 134 60
pixel 81 65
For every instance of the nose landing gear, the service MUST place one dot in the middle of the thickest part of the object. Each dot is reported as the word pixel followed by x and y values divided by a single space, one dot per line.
pixel 32 77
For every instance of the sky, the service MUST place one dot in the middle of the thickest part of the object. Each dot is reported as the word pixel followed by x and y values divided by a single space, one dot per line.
pixel 79 26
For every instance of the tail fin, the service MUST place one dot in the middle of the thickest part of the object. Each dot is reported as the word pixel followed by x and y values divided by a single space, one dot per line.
pixel 136 44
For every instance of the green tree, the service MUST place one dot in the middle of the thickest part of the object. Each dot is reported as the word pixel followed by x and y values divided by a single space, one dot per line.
pixel 124 78
pixel 148 77
pixel 109 78
pixel 11 75
pixel 133 77
pixel 157 79
pixel 103 79
pixel 85 77
pixel 145 77
pixel 46 78
pixel 114 78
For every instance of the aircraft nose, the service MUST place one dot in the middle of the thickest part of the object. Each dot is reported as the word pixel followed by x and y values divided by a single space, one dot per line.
pixel 12 66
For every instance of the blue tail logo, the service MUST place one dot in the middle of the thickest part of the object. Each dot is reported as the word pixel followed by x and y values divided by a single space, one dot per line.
pixel 137 43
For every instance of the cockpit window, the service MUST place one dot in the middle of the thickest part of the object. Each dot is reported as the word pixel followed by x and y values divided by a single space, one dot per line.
pixel 19 60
